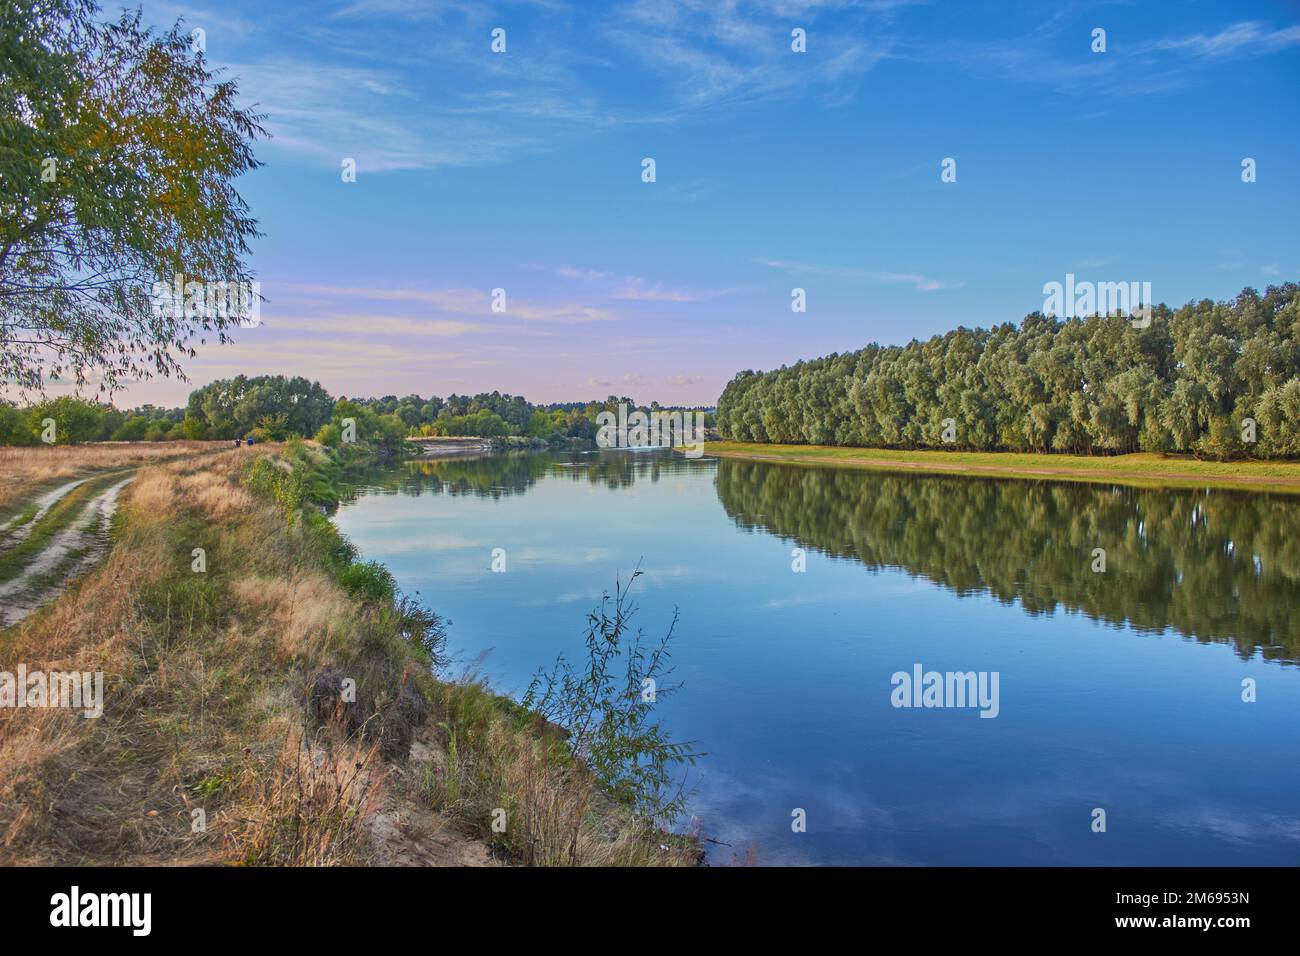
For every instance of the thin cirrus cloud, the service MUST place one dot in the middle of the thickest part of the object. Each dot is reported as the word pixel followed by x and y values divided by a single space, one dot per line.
pixel 1236 40
pixel 1155 65
pixel 633 288
pixel 586 275
pixel 325 113
pixel 315 357
pixel 922 283
pixel 460 301
pixel 394 102
pixel 710 54
pixel 360 323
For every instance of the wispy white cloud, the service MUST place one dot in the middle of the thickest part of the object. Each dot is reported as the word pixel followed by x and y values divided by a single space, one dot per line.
pixel 361 323
pixel 636 289
pixel 630 288
pixel 725 53
pixel 586 275
pixel 463 301
pixel 1151 66
pixel 1247 37
pixel 371 115
pixel 393 102
pixel 813 268
pixel 923 283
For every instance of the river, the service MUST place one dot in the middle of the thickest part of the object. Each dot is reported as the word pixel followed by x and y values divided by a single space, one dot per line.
pixel 1158 696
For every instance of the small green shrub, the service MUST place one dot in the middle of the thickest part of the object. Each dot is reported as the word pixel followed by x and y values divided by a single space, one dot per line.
pixel 608 710
pixel 368 581
pixel 329 435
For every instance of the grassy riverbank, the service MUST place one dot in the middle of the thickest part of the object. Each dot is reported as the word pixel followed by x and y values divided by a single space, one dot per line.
pixel 1143 470
pixel 270 699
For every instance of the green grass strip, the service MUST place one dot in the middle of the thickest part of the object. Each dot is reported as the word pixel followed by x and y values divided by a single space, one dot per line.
pixel 1143 469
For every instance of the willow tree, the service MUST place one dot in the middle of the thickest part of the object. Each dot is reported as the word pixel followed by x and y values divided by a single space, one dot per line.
pixel 1217 379
pixel 119 150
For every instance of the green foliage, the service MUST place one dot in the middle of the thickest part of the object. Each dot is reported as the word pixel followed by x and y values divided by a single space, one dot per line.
pixel 191 429
pixel 78 420
pixel 1184 384
pixel 368 581
pixel 338 550
pixel 146 145
pixel 231 408
pixel 14 427
pixel 386 431
pixel 482 423
pixel 133 429
pixel 276 408
pixel 279 481
pixel 75 419
pixel 607 709
pixel 329 435
pixel 422 628
pixel 1222 441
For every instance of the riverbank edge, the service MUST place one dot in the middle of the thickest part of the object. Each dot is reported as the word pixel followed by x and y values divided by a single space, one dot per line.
pixel 319 469
pixel 1142 470
pixel 281 640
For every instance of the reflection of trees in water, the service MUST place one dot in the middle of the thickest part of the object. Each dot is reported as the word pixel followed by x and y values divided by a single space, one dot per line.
pixel 1217 566
pixel 512 473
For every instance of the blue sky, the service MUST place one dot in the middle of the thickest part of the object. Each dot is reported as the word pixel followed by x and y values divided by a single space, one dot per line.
pixel 774 170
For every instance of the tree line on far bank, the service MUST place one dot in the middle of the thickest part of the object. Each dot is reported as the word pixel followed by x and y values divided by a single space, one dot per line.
pixel 276 407
pixel 1216 379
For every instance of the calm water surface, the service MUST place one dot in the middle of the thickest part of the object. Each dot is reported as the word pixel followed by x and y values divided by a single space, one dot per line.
pixel 1119 690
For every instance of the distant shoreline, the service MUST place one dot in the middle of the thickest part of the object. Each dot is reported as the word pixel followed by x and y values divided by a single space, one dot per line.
pixel 1142 469
pixel 452 447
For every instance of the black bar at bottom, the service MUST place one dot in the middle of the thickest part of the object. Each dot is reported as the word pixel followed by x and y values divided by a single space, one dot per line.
pixel 334 906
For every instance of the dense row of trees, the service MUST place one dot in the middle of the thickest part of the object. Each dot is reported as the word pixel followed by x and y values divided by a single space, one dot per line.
pixel 274 407
pixel 1186 383
pixel 76 420
pixel 492 414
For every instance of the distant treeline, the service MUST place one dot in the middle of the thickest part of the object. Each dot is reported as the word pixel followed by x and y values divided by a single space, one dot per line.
pixel 1188 382
pixel 273 408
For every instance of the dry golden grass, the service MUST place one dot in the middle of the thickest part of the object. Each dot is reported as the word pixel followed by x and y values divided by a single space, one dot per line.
pixel 303 610
pixel 23 470
pixel 201 697
pixel 314 807
pixel 493 760
pixel 211 703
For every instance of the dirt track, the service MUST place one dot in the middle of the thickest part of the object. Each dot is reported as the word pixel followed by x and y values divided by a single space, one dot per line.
pixel 68 553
